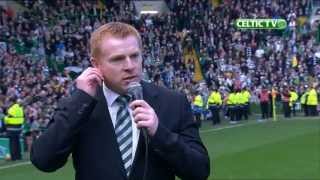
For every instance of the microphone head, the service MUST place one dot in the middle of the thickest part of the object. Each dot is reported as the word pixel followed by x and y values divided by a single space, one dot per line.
pixel 135 91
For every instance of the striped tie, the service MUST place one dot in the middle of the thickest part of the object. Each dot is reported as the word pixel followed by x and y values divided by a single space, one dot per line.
pixel 123 132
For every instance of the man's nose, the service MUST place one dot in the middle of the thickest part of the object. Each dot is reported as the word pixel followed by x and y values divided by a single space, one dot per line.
pixel 128 63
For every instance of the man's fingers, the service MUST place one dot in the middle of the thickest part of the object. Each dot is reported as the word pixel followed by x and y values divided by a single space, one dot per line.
pixel 95 71
pixel 143 124
pixel 91 70
pixel 144 116
pixel 139 103
pixel 138 110
pixel 94 77
pixel 141 117
pixel 97 75
pixel 89 79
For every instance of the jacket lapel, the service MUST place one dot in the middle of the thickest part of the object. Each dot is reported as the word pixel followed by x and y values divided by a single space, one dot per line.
pixel 150 95
pixel 104 116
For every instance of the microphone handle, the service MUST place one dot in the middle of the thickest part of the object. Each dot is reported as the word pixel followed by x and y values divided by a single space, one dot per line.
pixel 146 139
pixel 143 129
pixel 145 134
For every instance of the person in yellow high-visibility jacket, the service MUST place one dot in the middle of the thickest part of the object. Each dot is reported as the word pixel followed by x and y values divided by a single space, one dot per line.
pixel 293 99
pixel 198 108
pixel 214 103
pixel 312 101
pixel 13 122
pixel 238 106
pixel 231 103
pixel 303 100
pixel 246 102
pixel 285 98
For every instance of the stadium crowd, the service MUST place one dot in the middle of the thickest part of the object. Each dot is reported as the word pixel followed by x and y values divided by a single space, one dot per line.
pixel 36 44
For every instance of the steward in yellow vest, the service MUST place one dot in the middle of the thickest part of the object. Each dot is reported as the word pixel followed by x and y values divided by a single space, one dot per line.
pixel 13 122
pixel 246 102
pixel 303 101
pixel 231 104
pixel 312 101
pixel 238 107
pixel 198 110
pixel 214 103
pixel 293 100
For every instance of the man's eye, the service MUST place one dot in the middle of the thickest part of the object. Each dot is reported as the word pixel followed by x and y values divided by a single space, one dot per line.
pixel 116 59
pixel 134 56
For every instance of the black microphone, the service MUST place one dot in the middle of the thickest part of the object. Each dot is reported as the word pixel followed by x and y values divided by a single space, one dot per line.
pixel 135 93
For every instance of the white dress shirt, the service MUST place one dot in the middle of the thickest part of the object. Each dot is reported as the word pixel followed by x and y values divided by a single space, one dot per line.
pixel 113 107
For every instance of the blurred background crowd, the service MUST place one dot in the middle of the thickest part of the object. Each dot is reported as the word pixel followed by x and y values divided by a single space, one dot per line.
pixel 194 48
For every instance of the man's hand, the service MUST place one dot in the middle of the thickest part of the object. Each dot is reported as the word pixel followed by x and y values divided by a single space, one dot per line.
pixel 145 116
pixel 89 80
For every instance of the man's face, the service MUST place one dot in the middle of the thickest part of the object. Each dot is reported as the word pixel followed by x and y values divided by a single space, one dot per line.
pixel 120 62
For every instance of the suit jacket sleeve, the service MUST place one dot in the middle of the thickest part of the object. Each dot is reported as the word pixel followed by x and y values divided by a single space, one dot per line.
pixel 183 150
pixel 51 150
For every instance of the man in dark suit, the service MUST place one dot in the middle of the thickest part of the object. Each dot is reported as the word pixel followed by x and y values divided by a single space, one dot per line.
pixel 104 133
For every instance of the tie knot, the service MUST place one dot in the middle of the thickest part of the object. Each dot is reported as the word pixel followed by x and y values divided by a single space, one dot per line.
pixel 123 100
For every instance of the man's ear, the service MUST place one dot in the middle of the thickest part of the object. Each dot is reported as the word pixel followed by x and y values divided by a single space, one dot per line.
pixel 94 62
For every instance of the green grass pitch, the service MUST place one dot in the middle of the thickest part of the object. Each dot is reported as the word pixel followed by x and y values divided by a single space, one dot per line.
pixel 286 149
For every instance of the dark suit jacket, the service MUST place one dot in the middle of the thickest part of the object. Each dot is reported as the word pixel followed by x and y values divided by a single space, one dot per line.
pixel 82 126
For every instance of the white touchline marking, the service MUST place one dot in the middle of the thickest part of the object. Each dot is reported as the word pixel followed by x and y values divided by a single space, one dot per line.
pixel 15 165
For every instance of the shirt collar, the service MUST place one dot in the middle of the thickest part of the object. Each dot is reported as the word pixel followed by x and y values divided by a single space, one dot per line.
pixel 110 95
